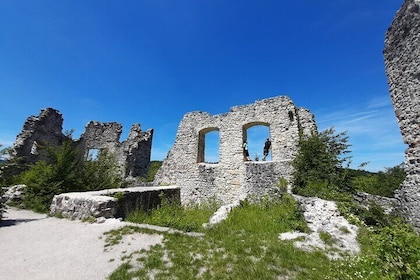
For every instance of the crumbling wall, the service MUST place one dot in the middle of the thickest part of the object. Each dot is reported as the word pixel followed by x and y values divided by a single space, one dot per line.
pixel 38 132
pixel 402 60
pixel 232 177
pixel 133 155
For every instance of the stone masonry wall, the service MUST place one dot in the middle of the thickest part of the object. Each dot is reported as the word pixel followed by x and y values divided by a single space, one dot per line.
pixel 233 178
pixel 402 60
pixel 37 132
pixel 133 155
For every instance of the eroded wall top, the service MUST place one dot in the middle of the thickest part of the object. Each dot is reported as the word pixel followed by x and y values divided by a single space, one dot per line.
pixel 133 155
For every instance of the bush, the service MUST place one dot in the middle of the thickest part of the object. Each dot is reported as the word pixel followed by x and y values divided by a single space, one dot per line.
pixel 382 183
pixel 318 166
pixel 46 179
pixel 65 172
pixel 399 251
pixel 102 173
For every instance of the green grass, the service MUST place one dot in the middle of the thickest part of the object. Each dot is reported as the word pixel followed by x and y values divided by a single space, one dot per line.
pixel 246 246
pixel 174 215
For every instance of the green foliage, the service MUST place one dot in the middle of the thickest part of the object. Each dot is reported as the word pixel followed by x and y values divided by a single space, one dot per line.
pixel 382 183
pixel 319 162
pixel 326 237
pixel 267 216
pixel 282 185
pixel 174 215
pixel 399 251
pixel 372 216
pixel 389 253
pixel 63 171
pixel 151 171
pixel 46 179
pixel 244 246
pixel 102 173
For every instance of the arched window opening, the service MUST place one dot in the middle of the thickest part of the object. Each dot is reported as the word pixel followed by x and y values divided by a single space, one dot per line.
pixel 208 146
pixel 256 136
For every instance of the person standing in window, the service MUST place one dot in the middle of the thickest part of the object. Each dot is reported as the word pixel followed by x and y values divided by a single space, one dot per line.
pixel 267 147
pixel 246 152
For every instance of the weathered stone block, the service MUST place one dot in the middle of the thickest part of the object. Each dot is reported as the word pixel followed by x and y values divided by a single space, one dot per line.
pixel 112 203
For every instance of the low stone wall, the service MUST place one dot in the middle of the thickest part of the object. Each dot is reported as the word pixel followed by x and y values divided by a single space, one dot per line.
pixel 112 203
pixel 390 205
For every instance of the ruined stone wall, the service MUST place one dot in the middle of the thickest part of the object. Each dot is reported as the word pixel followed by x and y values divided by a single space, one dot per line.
pixel 402 60
pixel 38 132
pixel 232 177
pixel 133 155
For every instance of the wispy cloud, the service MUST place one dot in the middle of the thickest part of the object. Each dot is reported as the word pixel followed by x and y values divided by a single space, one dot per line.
pixel 372 129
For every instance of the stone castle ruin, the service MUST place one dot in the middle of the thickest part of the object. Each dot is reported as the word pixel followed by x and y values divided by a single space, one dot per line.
pixel 402 60
pixel 133 155
pixel 232 178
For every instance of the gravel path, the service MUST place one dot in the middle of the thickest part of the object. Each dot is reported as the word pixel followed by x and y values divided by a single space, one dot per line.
pixel 35 246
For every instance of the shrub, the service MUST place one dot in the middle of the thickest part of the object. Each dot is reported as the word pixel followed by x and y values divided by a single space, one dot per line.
pixel 45 179
pixel 63 171
pixel 102 173
pixel 383 183
pixel 399 251
pixel 319 163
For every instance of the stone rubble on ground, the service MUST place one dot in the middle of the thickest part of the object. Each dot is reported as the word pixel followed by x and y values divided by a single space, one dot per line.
pixel 14 194
pixel 323 216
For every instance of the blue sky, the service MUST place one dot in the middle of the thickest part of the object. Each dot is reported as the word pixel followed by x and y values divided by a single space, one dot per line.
pixel 152 61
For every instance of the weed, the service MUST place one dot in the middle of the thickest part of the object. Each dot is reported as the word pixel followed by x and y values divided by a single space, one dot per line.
pixel 344 229
pixel 326 238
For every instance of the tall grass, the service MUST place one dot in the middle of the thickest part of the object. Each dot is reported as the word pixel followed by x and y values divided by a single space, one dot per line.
pixel 246 246
pixel 173 215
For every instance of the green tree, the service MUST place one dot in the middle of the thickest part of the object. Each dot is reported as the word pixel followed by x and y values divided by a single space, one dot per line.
pixel 63 171
pixel 321 162
pixel 383 183
pixel 390 180
pixel 59 173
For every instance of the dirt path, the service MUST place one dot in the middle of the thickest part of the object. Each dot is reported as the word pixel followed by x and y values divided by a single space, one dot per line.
pixel 35 246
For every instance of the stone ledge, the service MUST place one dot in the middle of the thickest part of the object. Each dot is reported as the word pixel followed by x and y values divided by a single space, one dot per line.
pixel 111 203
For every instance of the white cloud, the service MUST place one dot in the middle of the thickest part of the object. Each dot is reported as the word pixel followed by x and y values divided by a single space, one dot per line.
pixel 373 132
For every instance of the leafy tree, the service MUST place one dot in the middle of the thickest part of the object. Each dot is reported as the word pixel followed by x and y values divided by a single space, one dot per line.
pixel 321 162
pixel 383 183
